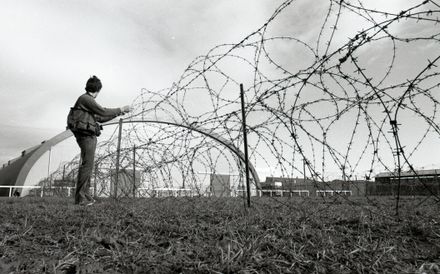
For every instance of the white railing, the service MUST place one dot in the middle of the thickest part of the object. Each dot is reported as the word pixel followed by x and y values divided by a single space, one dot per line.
pixel 172 192
pixel 283 192
pixel 22 187
pixel 333 192
pixel 12 189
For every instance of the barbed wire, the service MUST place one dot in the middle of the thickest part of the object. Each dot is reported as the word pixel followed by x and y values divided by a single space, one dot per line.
pixel 325 101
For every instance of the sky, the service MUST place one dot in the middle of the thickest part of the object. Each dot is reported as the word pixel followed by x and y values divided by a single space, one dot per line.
pixel 48 50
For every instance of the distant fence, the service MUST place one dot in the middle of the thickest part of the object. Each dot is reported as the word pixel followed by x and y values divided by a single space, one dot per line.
pixel 14 191
pixel 282 193
pixel 142 192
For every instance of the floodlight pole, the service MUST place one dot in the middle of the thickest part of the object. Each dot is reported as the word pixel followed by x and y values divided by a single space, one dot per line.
pixel 118 155
pixel 243 114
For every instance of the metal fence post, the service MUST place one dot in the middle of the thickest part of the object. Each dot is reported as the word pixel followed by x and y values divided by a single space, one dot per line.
pixel 134 171
pixel 94 180
pixel 243 114
pixel 118 155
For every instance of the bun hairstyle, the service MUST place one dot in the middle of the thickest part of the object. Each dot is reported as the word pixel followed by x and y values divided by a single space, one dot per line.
pixel 93 84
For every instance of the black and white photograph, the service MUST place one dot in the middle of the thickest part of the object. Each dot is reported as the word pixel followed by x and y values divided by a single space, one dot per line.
pixel 246 136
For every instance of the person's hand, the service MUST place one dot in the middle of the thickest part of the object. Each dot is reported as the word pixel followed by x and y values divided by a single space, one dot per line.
pixel 126 109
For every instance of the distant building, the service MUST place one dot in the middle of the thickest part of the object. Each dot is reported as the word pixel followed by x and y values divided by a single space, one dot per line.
pixel 64 183
pixel 126 183
pixel 220 185
pixel 423 182
pixel 355 187
pixel 171 192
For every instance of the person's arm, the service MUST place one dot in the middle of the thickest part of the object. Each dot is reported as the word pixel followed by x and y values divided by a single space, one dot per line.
pixel 91 105
pixel 103 119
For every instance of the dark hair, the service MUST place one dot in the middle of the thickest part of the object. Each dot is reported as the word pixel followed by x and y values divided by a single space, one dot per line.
pixel 93 84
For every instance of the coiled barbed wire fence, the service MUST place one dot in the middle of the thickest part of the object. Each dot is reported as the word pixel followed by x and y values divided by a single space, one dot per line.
pixel 344 95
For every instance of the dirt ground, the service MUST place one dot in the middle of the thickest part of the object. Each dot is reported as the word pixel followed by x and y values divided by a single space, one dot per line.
pixel 213 235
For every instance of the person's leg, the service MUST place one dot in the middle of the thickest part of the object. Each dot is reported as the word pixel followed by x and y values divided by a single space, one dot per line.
pixel 87 145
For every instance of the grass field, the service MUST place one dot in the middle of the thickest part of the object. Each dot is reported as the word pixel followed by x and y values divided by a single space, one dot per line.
pixel 202 235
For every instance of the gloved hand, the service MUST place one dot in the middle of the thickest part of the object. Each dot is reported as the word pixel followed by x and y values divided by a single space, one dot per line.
pixel 126 109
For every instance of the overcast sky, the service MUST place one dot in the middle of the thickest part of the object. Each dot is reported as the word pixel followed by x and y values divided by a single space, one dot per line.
pixel 48 49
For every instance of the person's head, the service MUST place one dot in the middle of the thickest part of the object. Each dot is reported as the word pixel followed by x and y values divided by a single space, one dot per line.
pixel 93 85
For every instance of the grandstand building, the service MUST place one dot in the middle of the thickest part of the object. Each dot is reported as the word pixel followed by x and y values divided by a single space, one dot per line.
pixel 422 182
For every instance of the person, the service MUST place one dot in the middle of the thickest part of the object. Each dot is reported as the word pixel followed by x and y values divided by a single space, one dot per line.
pixel 83 120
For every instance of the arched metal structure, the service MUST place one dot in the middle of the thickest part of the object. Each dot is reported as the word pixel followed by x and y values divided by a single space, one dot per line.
pixel 44 147
pixel 10 170
pixel 209 133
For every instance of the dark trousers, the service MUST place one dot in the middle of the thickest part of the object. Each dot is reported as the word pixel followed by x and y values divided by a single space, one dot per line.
pixel 87 145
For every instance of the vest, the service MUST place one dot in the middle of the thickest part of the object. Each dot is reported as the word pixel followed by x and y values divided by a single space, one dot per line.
pixel 82 121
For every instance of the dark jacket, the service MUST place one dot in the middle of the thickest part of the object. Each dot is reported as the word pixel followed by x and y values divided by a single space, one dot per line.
pixel 85 114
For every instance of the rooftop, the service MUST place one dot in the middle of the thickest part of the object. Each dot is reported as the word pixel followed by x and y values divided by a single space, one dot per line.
pixel 427 172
